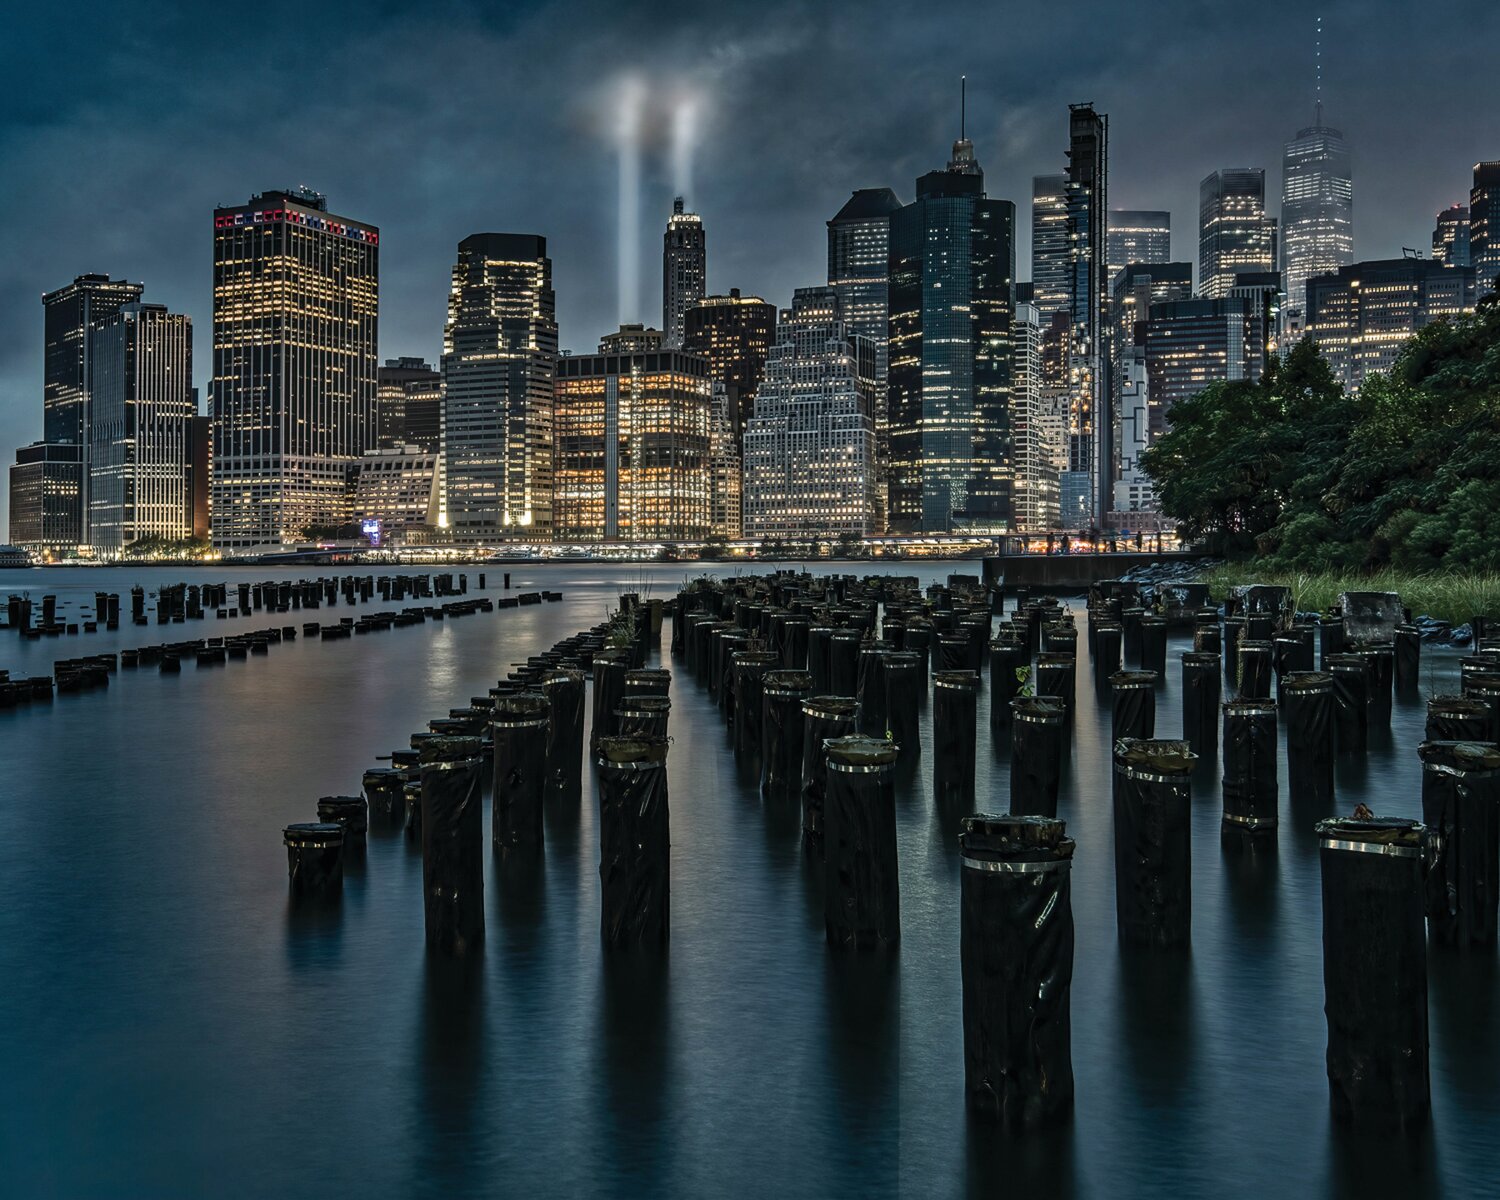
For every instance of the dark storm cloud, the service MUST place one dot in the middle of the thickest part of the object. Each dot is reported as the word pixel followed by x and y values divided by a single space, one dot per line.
pixel 123 125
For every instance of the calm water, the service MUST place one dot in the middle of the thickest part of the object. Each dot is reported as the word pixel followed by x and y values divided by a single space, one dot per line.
pixel 170 1027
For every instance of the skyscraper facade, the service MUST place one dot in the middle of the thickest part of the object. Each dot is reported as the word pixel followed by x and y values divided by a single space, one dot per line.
pixel 734 333
pixel 809 463
pixel 859 238
pixel 633 444
pixel 1450 237
pixel 1192 343
pixel 1484 226
pixel 1035 459
pixel 140 457
pixel 1051 260
pixel 1317 210
pixel 46 496
pixel 499 366
pixel 409 404
pixel 296 305
pixel 1363 314
pixel 725 477
pixel 1234 233
pixel 1086 487
pixel 1138 236
pixel 71 314
pixel 952 265
pixel 684 271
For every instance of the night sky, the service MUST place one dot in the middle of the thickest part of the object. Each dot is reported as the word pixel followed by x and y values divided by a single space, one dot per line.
pixel 123 125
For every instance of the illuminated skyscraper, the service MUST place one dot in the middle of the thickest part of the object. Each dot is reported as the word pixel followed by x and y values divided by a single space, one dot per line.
pixel 499 361
pixel 1234 233
pixel 684 271
pixel 1051 261
pixel 734 333
pixel 1363 314
pixel 72 313
pixel 1086 487
pixel 1450 237
pixel 725 478
pixel 1036 459
pixel 296 304
pixel 633 443
pixel 1317 210
pixel 1190 344
pixel 409 403
pixel 1138 236
pixel 952 267
pixel 140 459
pixel 810 446
pixel 46 495
pixel 1484 226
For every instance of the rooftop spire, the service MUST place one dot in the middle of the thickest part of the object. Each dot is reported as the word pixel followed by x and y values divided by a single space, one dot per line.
pixel 962 162
pixel 1318 69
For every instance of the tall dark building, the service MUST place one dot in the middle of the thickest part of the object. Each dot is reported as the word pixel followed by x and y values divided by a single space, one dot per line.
pixel 734 333
pixel 1450 237
pixel 859 238
pixel 72 314
pixel 1086 487
pixel 409 404
pixel 296 306
pixel 684 271
pixel 499 368
pixel 200 471
pixel 952 266
pixel 1051 262
pixel 1484 226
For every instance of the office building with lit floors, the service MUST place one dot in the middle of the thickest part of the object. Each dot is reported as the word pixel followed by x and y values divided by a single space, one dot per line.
pixel 725 482
pixel 859 240
pixel 810 447
pixel 499 362
pixel 1189 344
pixel 1137 236
pixel 1234 233
pixel 1450 237
pixel 952 267
pixel 633 444
pixel 71 314
pixel 409 404
pixel 734 333
pixel 1036 465
pixel 1317 211
pixel 1364 314
pixel 684 271
pixel 295 326
pixel 140 460
pixel 1484 227
pixel 396 490
pixel 46 493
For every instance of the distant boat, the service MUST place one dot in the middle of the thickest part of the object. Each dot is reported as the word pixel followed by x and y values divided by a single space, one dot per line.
pixel 14 556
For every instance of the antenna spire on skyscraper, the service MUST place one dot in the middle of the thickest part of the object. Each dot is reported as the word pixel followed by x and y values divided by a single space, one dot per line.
pixel 1318 69
pixel 963 107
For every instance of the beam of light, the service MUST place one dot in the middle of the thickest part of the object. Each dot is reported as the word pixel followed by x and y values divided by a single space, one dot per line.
pixel 630 103
pixel 684 141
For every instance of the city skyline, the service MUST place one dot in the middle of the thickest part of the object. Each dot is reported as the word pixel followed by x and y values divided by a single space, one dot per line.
pixel 429 205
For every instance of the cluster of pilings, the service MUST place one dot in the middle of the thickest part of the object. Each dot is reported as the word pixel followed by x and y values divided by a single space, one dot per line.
pixel 522 745
pixel 821 683
pixel 93 671
pixel 1329 681
pixel 180 602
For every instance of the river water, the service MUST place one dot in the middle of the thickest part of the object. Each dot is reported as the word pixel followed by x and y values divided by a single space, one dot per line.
pixel 171 1026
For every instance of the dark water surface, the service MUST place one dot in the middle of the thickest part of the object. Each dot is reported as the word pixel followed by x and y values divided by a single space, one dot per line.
pixel 169 1026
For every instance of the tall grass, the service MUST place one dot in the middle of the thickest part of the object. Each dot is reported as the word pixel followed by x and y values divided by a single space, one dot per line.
pixel 1452 596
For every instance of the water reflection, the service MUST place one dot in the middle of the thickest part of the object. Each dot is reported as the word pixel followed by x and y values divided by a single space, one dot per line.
pixel 451 1057
pixel 1021 1163
pixel 635 1068
pixel 862 1038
